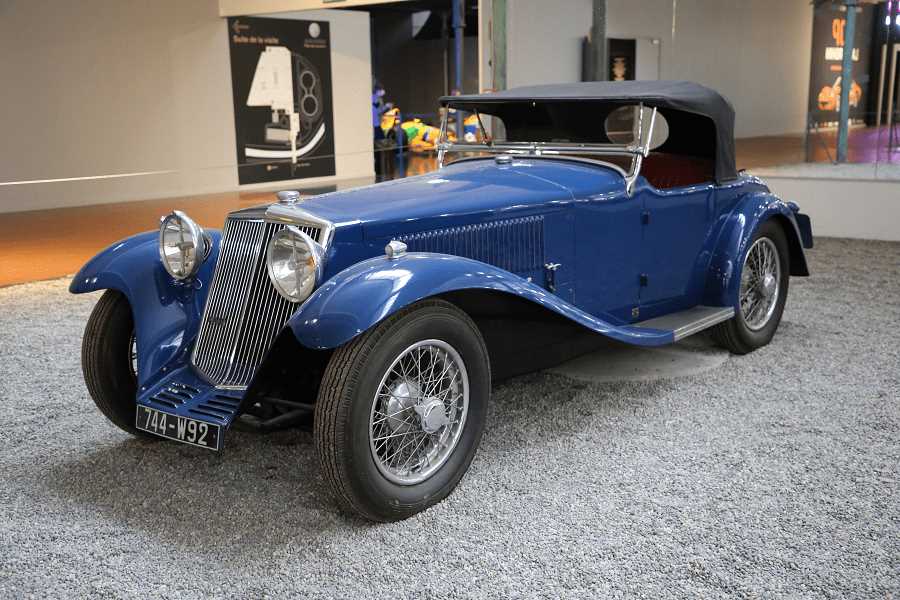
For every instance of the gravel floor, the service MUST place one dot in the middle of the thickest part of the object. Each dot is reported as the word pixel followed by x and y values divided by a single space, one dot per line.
pixel 774 474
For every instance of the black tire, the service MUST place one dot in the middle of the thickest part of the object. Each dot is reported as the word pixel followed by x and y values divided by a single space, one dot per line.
pixel 734 334
pixel 346 396
pixel 106 363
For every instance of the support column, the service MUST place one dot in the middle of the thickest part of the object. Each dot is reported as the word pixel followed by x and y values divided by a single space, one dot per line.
pixel 846 80
pixel 498 43
pixel 598 41
pixel 459 25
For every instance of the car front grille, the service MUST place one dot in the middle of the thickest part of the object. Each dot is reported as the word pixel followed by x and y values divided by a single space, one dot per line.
pixel 243 312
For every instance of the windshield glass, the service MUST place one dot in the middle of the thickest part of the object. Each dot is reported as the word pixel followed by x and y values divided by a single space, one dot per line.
pixel 536 128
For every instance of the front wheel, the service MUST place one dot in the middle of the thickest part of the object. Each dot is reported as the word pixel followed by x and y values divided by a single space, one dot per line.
pixel 762 294
pixel 401 410
pixel 109 361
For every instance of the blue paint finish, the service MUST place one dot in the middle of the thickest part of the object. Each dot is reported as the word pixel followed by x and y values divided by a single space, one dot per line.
pixel 464 192
pixel 691 249
pixel 166 312
pixel 598 242
pixel 674 237
pixel 203 403
pixel 364 294
pixel 737 229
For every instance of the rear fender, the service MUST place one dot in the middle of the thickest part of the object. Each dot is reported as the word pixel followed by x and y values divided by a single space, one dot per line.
pixel 166 311
pixel 366 293
pixel 723 276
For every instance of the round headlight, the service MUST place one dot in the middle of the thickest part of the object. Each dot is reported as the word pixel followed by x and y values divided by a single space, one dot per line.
pixel 183 246
pixel 294 263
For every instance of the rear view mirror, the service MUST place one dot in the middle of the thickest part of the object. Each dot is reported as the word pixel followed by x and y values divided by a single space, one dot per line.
pixel 623 124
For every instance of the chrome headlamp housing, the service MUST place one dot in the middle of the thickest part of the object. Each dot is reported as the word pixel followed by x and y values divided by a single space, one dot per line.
pixel 294 262
pixel 183 245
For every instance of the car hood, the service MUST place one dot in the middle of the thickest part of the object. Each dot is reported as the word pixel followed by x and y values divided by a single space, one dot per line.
pixel 471 190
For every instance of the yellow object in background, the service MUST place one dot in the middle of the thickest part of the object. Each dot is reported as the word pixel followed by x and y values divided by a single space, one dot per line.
pixel 389 119
pixel 420 136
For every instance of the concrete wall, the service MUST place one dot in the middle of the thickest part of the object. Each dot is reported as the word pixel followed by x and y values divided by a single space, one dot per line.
pixel 755 53
pixel 101 87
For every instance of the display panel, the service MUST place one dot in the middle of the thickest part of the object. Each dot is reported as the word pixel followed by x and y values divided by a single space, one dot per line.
pixel 829 23
pixel 281 85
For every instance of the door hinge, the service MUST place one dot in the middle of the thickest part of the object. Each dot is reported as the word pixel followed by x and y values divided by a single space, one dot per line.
pixel 645 217
pixel 644 280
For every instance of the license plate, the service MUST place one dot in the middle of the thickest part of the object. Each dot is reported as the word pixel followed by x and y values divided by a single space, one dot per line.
pixel 180 429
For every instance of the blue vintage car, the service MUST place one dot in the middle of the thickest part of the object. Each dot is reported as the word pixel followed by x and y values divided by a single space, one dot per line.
pixel 381 315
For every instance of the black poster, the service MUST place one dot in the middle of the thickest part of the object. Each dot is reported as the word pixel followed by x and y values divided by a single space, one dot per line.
pixel 829 23
pixel 281 83
pixel 621 59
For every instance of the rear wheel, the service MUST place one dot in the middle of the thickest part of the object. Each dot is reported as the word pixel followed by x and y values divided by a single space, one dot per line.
pixel 109 361
pixel 401 411
pixel 762 294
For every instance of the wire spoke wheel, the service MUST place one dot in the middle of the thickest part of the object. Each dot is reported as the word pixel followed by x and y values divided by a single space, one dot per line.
pixel 418 412
pixel 760 284
pixel 132 356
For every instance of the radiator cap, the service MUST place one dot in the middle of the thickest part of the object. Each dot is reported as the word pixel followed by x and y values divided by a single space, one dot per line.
pixel 288 197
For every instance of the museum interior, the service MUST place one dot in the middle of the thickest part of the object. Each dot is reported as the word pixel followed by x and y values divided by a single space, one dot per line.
pixel 735 462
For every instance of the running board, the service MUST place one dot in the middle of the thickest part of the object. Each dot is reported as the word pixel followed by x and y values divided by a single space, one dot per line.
pixel 690 321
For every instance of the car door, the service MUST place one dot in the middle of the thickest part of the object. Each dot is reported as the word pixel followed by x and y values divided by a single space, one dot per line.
pixel 594 239
pixel 608 245
pixel 675 223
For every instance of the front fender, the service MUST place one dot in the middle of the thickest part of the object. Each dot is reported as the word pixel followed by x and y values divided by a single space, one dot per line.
pixel 723 277
pixel 362 295
pixel 166 312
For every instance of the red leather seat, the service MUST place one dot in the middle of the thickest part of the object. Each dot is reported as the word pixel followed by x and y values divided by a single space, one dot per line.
pixel 664 171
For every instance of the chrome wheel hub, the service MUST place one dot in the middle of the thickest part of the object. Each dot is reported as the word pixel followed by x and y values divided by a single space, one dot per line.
pixel 403 397
pixel 432 416
pixel 760 284
pixel 132 356
pixel 418 412
pixel 767 286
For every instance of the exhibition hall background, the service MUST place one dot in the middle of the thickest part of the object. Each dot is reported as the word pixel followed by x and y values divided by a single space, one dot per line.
pixel 116 112
pixel 100 87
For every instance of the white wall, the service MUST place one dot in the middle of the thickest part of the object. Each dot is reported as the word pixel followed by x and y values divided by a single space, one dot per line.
pixel 101 87
pixel 873 214
pixel 756 53
pixel 543 40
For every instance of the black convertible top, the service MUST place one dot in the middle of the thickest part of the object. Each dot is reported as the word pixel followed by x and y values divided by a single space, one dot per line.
pixel 701 121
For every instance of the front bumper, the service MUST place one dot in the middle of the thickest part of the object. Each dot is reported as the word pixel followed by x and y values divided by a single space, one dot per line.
pixel 183 393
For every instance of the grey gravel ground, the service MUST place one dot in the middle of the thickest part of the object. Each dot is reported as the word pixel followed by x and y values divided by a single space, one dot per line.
pixel 774 474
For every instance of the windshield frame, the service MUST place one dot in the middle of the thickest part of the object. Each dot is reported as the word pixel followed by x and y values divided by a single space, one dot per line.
pixel 637 151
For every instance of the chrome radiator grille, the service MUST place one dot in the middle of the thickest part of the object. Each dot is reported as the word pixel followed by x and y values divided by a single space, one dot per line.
pixel 243 312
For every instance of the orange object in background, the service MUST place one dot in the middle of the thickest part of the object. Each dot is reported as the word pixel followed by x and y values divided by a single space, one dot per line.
pixel 830 96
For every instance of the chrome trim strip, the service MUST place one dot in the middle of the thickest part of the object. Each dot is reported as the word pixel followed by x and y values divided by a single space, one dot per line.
pixel 294 215
pixel 688 322
pixel 704 323
pixel 566 157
